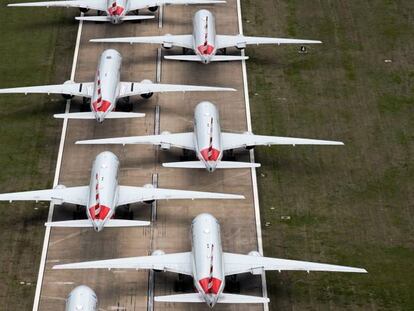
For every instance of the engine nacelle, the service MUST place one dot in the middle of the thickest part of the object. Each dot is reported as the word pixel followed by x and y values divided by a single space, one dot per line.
pixel 83 10
pixel 157 252
pixel 149 186
pixel 146 95
pixel 58 201
pixel 255 254
pixel 165 146
pixel 68 96
pixel 167 45
pixel 241 46
pixel 256 271
pixel 153 8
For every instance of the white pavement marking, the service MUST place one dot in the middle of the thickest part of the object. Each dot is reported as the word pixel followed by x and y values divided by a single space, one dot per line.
pixel 253 170
pixel 158 74
pixel 56 179
pixel 160 15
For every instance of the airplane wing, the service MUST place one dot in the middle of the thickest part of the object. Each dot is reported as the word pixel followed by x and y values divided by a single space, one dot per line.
pixel 89 4
pixel 185 41
pixel 234 141
pixel 240 41
pixel 177 263
pixel 129 195
pixel 236 263
pixel 223 298
pixel 179 140
pixel 73 195
pixel 141 4
pixel 76 89
pixel 137 88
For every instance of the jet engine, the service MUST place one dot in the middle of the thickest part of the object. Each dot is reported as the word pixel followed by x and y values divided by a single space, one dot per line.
pixel 241 46
pixel 167 45
pixel 157 252
pixel 146 95
pixel 153 8
pixel 256 271
pixel 58 201
pixel 83 10
pixel 68 96
pixel 165 146
pixel 149 186
pixel 254 253
pixel 248 147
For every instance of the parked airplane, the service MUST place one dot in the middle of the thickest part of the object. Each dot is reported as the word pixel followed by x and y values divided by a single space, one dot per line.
pixel 104 195
pixel 107 89
pixel 208 141
pixel 81 298
pixel 205 42
pixel 208 265
pixel 116 10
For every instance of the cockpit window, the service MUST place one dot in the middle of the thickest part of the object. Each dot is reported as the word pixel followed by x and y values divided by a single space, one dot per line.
pixel 109 57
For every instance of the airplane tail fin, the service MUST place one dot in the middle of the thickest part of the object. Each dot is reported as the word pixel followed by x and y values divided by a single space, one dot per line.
pixel 86 223
pixel 107 18
pixel 223 298
pixel 91 115
pixel 215 58
pixel 221 164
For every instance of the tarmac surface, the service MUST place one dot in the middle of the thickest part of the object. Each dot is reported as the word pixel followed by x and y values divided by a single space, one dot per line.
pixel 140 164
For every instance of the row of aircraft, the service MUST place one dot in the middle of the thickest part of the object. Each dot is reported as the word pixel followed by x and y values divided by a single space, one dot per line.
pixel 206 263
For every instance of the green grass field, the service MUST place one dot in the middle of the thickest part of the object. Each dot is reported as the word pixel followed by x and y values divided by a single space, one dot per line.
pixel 350 205
pixel 36 47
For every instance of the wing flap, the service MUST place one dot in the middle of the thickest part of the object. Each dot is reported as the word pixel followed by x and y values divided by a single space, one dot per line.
pixel 177 263
pixel 90 4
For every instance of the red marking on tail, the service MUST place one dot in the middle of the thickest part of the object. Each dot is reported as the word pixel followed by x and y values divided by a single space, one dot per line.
pixel 115 10
pixel 101 105
pixel 99 211
pixel 210 154
pixel 210 285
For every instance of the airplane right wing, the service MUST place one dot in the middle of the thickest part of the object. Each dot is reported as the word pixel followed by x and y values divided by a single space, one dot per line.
pixel 129 195
pixel 141 4
pixel 185 41
pixel 177 263
pixel 73 195
pixel 240 41
pixel 234 141
pixel 69 88
pixel 99 5
pixel 179 140
pixel 237 263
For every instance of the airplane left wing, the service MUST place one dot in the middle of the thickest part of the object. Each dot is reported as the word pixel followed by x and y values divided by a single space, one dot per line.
pixel 179 140
pixel 129 195
pixel 99 5
pixel 240 41
pixel 234 141
pixel 177 263
pixel 73 195
pixel 137 88
pixel 237 263
pixel 141 4
pixel 69 88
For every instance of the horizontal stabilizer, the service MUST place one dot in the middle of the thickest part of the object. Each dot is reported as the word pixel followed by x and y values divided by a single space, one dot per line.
pixel 221 164
pixel 223 298
pixel 86 223
pixel 108 18
pixel 215 58
pixel 91 115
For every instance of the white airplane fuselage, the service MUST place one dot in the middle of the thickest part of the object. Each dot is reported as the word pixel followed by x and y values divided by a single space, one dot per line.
pixel 207 135
pixel 204 35
pixel 208 264
pixel 81 298
pixel 103 189
pixel 106 84
pixel 116 9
